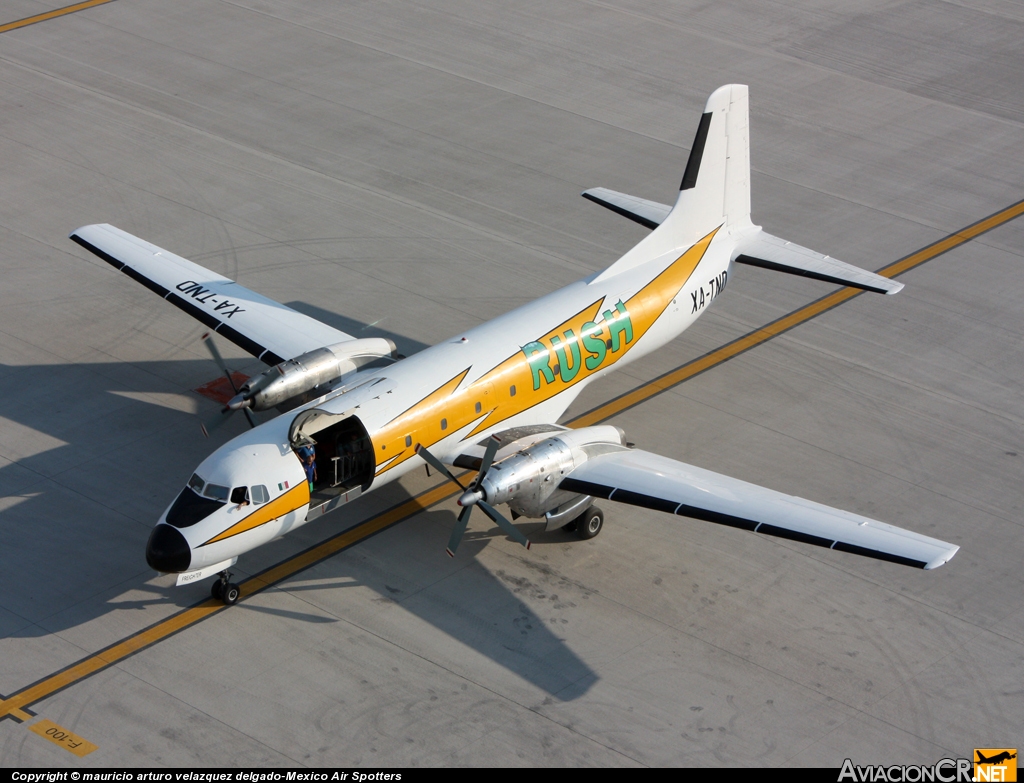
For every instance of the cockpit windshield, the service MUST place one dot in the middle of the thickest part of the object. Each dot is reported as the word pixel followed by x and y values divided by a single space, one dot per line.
pixel 190 507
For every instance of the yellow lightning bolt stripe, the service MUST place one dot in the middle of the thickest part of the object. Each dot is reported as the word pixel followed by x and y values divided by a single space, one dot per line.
pixel 294 498
pixel 457 408
pixel 423 422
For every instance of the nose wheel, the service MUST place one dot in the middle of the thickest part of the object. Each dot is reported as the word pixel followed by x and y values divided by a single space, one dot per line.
pixel 225 590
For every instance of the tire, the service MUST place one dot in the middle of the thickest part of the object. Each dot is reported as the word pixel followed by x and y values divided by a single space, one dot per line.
pixel 217 589
pixel 231 594
pixel 589 524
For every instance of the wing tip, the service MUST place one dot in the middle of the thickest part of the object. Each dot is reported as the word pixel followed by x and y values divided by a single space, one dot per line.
pixel 942 559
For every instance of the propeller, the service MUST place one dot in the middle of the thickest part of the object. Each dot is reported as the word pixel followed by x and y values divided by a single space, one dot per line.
pixel 212 423
pixel 473 496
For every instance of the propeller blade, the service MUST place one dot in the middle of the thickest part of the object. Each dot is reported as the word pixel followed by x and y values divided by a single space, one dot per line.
pixel 458 531
pixel 436 464
pixel 503 523
pixel 208 340
pixel 213 422
pixel 249 416
pixel 492 447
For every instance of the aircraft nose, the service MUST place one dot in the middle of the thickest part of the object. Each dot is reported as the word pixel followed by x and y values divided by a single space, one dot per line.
pixel 167 550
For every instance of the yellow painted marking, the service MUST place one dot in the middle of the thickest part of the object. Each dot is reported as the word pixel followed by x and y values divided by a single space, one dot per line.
pixel 70 9
pixel 72 743
pixel 458 406
pixel 14 712
pixel 161 630
pixel 294 498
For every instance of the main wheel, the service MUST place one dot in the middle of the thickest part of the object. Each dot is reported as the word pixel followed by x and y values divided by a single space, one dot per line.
pixel 589 524
pixel 230 594
pixel 217 589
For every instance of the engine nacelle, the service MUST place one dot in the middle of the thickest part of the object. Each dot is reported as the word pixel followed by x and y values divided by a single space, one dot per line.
pixel 309 371
pixel 528 480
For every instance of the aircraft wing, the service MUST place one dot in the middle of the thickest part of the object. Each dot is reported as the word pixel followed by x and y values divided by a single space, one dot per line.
pixel 643 479
pixel 268 330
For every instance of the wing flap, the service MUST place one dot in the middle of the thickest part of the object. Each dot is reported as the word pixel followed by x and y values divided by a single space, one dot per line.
pixel 260 326
pixel 651 481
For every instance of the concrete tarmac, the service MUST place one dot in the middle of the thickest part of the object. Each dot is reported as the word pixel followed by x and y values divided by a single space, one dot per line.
pixel 411 169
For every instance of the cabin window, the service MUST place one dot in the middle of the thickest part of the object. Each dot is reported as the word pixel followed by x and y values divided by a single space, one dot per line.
pixel 240 496
pixel 196 484
pixel 260 494
pixel 216 492
pixel 512 391
pixel 479 407
pixel 408 441
pixel 444 424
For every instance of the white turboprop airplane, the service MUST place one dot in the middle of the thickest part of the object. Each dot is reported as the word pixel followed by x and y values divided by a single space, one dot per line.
pixel 488 399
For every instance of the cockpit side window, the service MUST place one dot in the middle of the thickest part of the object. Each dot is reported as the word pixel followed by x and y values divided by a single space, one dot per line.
pixel 259 494
pixel 216 492
pixel 195 483
pixel 240 496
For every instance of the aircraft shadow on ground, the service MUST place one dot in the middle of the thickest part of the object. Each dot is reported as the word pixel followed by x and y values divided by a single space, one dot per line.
pixel 100 467
pixel 406 345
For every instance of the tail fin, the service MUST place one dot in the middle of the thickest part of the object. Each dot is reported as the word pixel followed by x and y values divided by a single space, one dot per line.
pixel 715 190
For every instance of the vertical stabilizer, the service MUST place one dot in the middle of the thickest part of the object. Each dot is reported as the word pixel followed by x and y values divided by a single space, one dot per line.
pixel 715 189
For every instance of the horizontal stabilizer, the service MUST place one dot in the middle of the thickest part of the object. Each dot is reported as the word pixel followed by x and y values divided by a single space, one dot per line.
pixel 769 252
pixel 650 214
pixel 640 478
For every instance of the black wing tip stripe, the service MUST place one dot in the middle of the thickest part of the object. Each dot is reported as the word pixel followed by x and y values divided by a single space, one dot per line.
pixel 96 251
pixel 586 488
pixel 795 535
pixel 645 501
pixel 205 318
pixel 696 153
pixel 619 210
pixel 246 344
pixel 853 549
pixel 155 287
pixel 200 315
pixel 763 264
pixel 716 517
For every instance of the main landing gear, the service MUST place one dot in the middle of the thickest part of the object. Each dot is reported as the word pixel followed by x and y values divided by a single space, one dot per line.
pixel 225 590
pixel 588 524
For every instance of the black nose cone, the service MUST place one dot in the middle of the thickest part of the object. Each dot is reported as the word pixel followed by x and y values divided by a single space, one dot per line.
pixel 167 550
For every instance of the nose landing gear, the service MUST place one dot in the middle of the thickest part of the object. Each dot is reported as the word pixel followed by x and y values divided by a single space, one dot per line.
pixel 225 590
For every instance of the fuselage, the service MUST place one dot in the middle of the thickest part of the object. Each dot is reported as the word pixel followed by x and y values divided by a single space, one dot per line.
pixel 522 368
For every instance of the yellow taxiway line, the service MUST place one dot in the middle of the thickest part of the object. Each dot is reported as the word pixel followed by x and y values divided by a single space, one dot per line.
pixel 15 704
pixel 70 9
